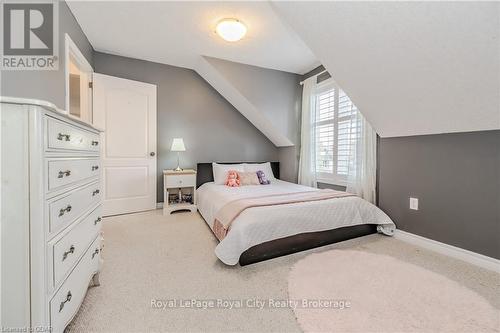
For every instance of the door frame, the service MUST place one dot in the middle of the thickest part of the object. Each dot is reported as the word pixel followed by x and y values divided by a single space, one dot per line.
pixel 71 49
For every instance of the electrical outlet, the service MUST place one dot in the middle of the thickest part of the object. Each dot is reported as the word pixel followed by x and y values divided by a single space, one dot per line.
pixel 414 203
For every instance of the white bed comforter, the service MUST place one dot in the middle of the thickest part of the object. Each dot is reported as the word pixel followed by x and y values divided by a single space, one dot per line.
pixel 261 224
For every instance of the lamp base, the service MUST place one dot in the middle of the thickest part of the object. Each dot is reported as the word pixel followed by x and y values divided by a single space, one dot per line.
pixel 178 164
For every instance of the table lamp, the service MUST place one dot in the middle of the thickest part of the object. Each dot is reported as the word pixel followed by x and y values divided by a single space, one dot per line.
pixel 178 146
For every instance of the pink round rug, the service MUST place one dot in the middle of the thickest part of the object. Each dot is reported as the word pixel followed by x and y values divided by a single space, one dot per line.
pixel 353 291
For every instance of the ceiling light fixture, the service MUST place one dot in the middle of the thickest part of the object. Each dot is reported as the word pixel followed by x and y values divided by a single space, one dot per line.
pixel 230 29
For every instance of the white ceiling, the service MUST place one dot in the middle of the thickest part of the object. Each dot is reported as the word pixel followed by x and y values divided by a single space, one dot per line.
pixel 178 33
pixel 411 67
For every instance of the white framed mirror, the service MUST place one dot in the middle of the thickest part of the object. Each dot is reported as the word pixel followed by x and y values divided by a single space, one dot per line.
pixel 78 74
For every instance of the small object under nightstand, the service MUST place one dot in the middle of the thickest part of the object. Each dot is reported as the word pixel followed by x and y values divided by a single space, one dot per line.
pixel 179 190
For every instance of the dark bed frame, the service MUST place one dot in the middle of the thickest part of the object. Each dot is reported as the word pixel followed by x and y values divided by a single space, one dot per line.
pixel 292 244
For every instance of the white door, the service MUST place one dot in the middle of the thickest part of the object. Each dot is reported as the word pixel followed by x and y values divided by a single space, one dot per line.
pixel 126 111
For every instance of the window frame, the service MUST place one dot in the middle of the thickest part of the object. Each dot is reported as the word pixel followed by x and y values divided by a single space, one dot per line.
pixel 333 178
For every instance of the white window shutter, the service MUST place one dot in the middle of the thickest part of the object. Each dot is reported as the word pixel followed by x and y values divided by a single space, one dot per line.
pixel 335 133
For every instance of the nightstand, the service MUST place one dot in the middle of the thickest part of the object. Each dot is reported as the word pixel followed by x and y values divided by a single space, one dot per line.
pixel 179 190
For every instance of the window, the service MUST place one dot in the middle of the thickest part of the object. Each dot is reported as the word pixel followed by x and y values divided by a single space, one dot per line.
pixel 336 128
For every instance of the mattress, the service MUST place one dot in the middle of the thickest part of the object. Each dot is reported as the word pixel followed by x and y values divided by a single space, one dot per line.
pixel 257 225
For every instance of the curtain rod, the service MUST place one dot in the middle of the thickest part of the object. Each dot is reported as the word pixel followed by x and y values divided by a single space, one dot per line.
pixel 315 75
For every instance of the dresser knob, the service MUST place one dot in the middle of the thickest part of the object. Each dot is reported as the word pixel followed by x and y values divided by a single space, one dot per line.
pixel 94 143
pixel 66 173
pixel 99 219
pixel 71 250
pixel 96 252
pixel 61 137
pixel 68 298
pixel 62 211
pixel 95 192
pixel 95 167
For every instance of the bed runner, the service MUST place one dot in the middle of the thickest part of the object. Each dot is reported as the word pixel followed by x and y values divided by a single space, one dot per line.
pixel 230 211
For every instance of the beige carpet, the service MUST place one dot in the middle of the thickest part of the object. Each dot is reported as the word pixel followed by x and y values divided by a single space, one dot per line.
pixel 366 292
pixel 149 256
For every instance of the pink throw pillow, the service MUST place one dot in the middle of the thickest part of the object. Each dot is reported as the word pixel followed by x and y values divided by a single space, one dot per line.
pixel 249 178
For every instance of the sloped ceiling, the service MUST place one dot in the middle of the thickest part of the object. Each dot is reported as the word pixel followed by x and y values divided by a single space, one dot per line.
pixel 276 94
pixel 412 68
pixel 178 32
pixel 245 98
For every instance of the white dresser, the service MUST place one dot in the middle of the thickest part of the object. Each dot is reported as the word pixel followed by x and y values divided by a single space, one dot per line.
pixel 50 215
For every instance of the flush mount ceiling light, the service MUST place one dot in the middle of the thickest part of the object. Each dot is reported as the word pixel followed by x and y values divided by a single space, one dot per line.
pixel 231 30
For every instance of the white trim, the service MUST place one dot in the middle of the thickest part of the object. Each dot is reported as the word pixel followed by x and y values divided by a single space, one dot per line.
pixel 71 48
pixel 331 182
pixel 449 250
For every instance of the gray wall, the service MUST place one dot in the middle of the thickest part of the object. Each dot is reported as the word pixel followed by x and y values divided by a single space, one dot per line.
pixel 48 85
pixel 188 107
pixel 289 162
pixel 456 178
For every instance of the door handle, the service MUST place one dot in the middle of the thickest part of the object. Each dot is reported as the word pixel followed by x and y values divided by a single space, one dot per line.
pixel 152 153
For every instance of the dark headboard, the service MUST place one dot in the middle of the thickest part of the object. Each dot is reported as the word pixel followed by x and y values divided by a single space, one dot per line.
pixel 205 174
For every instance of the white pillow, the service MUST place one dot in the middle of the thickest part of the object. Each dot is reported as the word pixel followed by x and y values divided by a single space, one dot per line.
pixel 220 171
pixel 265 167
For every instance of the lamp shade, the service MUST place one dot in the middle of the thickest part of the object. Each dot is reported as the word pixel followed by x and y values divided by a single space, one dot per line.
pixel 178 145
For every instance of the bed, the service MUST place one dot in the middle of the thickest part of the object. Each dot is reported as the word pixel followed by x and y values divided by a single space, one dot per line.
pixel 265 232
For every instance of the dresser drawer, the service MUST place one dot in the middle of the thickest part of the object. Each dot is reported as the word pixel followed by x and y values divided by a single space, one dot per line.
pixel 68 207
pixel 65 303
pixel 63 136
pixel 67 171
pixel 67 250
pixel 181 180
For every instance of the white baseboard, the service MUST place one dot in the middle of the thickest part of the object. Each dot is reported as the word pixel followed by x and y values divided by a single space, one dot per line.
pixel 159 205
pixel 449 250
